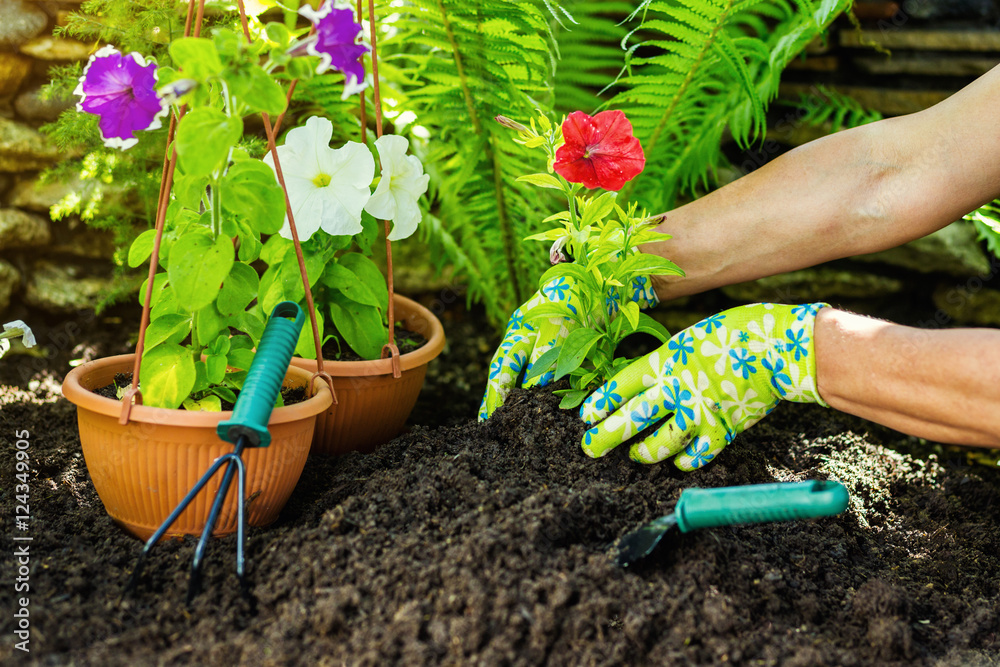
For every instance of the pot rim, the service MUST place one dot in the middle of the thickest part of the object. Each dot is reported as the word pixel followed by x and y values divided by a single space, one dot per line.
pixel 76 391
pixel 412 310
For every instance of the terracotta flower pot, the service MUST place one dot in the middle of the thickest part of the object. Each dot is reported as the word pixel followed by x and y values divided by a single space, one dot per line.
pixel 143 469
pixel 372 406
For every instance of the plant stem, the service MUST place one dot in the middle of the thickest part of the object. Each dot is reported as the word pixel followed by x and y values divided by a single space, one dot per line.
pixel 216 207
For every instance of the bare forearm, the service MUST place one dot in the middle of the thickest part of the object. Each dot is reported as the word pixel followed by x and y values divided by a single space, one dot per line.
pixel 943 384
pixel 854 192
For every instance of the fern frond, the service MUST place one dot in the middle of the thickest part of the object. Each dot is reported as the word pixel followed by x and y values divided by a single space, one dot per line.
pixel 828 106
pixel 467 63
pixel 695 69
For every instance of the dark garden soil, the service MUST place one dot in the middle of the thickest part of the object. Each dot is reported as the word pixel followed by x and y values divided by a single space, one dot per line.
pixel 488 544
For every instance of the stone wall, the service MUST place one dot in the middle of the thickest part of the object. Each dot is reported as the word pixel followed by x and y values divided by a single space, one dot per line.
pixel 55 267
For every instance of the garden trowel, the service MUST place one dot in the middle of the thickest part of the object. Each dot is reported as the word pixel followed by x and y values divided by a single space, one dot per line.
pixel 731 505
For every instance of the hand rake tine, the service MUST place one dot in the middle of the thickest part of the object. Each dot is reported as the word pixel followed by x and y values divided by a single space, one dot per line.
pixel 169 521
pixel 235 463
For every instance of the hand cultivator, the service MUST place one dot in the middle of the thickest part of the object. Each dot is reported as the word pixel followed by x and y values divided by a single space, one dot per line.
pixel 732 505
pixel 247 428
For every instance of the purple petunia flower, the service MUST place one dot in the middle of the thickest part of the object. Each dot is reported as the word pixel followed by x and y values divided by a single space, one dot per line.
pixel 335 42
pixel 121 90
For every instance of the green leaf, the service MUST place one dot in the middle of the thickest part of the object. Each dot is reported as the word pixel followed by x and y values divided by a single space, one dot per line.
pixel 574 350
pixel 167 375
pixel 359 279
pixel 573 398
pixel 252 325
pixel 198 265
pixel 648 325
pixel 598 208
pixel 215 364
pixel 141 248
pixel 210 403
pixel 559 309
pixel 251 192
pixel 220 345
pixel 196 56
pixel 544 362
pixel 541 180
pixel 570 270
pixel 548 235
pixel 170 328
pixel 360 326
pixel 208 322
pixel 240 359
pixel 264 94
pixel 238 290
pixel 227 42
pixel 250 245
pixel 631 312
pixel 200 378
pixel 642 263
pixel 278 33
pixel 190 190
pixel 306 345
pixel 204 137
pixel 225 393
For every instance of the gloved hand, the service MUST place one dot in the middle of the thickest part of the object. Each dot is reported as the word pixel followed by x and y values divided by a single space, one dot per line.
pixel 709 382
pixel 524 341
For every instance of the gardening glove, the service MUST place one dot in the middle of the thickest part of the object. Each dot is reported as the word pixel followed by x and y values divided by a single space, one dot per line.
pixel 524 342
pixel 709 382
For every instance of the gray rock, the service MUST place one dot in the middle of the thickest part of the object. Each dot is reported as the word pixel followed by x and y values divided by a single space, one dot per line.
pixel 19 22
pixel 10 278
pixel 968 303
pixel 816 284
pixel 19 229
pixel 31 105
pixel 952 249
pixel 64 288
pixel 24 149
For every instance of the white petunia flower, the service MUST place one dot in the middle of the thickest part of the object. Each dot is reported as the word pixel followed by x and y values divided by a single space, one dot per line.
pixel 13 330
pixel 403 182
pixel 328 188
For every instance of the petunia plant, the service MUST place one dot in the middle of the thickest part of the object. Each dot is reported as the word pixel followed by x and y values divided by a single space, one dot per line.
pixel 329 191
pixel 601 289
pixel 226 209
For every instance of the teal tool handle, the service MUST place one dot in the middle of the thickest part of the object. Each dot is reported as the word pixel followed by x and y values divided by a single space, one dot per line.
pixel 759 503
pixel 267 372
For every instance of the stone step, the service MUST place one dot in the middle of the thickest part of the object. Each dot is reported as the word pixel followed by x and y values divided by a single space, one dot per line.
pixel 927 65
pixel 889 101
pixel 892 37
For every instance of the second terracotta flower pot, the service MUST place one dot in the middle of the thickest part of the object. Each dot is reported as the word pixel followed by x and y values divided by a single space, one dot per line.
pixel 372 406
pixel 143 469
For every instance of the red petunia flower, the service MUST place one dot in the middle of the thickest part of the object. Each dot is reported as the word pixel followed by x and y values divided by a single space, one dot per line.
pixel 600 151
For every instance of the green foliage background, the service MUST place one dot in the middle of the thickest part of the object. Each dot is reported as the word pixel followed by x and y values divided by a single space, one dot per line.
pixel 686 72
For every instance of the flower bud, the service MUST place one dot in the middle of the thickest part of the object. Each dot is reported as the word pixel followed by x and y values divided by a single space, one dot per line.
pixel 175 90
pixel 556 254
pixel 511 124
